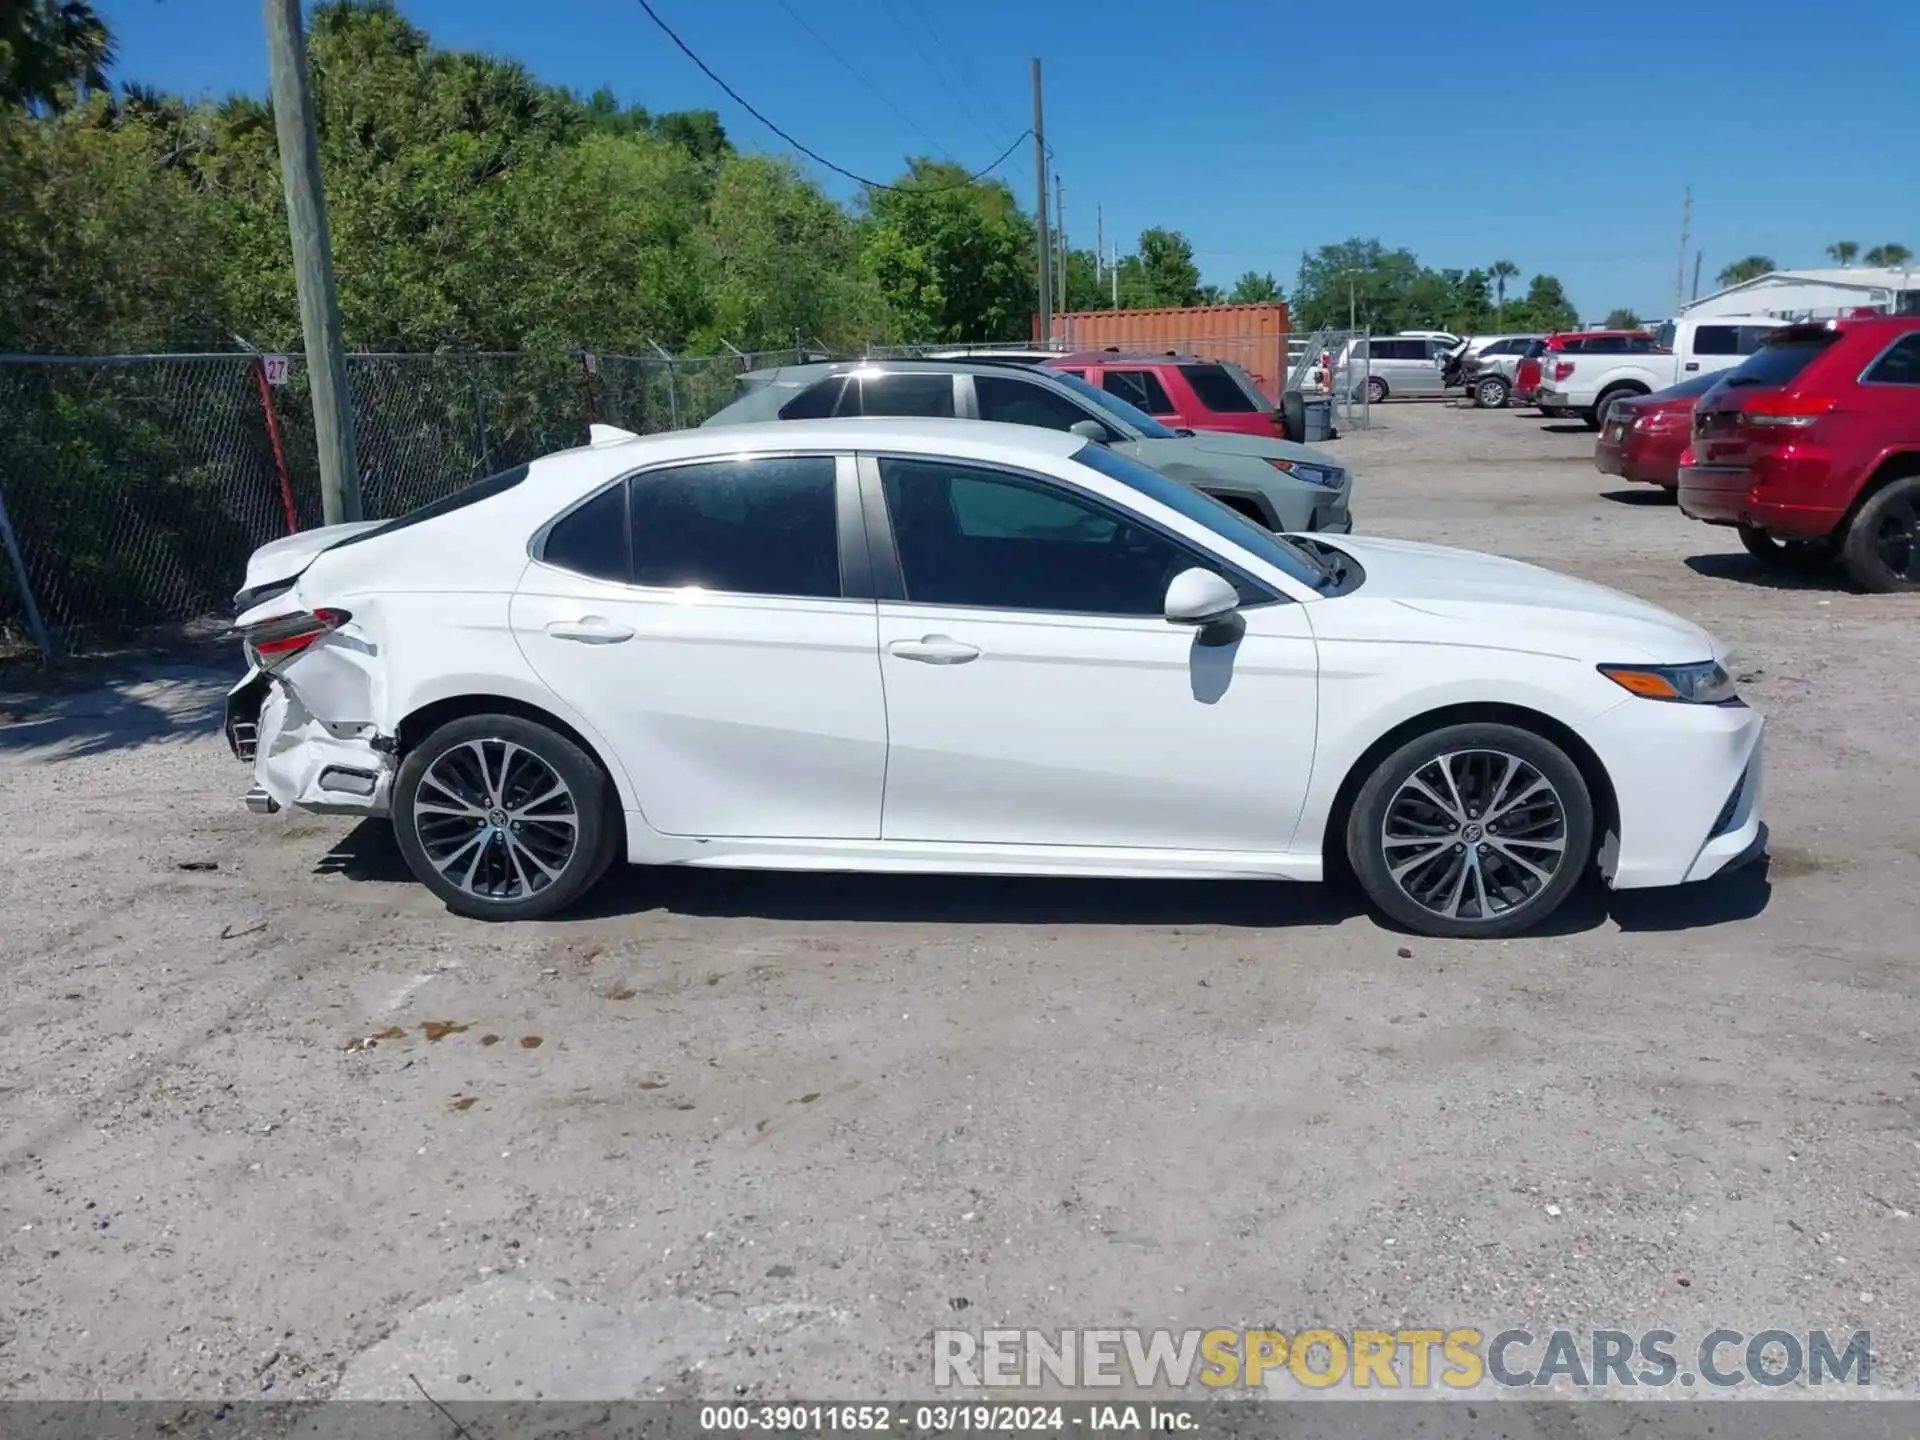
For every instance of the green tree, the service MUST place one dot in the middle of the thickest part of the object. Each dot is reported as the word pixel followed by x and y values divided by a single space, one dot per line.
pixel 954 262
pixel 1623 320
pixel 1502 271
pixel 1164 273
pixel 1842 252
pixel 1890 256
pixel 1547 306
pixel 1374 278
pixel 51 52
pixel 1740 271
pixel 1254 288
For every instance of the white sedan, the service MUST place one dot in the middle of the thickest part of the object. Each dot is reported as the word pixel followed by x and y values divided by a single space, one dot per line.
pixel 928 645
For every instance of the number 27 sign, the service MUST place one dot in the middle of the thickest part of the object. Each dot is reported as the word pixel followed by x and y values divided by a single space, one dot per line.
pixel 276 368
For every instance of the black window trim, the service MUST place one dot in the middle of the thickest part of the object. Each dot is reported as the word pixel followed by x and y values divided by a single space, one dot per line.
pixel 889 579
pixel 1898 340
pixel 850 526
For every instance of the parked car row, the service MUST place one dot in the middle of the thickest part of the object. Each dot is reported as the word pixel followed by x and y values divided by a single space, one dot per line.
pixel 988 617
pixel 1809 447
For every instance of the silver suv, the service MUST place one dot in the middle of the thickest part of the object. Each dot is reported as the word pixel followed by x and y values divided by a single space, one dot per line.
pixel 1278 484
pixel 1487 368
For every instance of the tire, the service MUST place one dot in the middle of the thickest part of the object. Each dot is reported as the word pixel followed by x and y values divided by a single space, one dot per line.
pixel 1376 390
pixel 1553 412
pixel 499 842
pixel 1881 550
pixel 1491 393
pixel 1603 407
pixel 1785 554
pixel 1293 416
pixel 1392 819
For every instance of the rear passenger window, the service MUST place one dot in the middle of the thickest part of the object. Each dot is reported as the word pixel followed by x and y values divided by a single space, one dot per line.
pixel 1141 388
pixel 1717 340
pixel 749 527
pixel 1900 365
pixel 1752 337
pixel 1020 402
pixel 905 394
pixel 592 540
pixel 1218 390
pixel 816 401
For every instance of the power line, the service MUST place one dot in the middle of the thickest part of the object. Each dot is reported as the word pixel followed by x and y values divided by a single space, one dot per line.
pixel 811 154
pixel 925 15
pixel 972 114
pixel 848 66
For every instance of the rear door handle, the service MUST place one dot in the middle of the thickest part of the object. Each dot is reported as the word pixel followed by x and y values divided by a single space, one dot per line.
pixel 934 650
pixel 590 630
pixel 1693 365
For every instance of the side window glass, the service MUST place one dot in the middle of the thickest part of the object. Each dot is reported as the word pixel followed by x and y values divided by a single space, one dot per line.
pixel 1140 388
pixel 1717 340
pixel 1020 402
pixel 903 394
pixel 593 539
pixel 748 527
pixel 1899 366
pixel 816 401
pixel 974 536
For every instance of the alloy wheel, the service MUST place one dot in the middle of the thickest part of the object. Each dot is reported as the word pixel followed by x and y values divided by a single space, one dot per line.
pixel 1896 538
pixel 496 820
pixel 1474 834
pixel 1492 394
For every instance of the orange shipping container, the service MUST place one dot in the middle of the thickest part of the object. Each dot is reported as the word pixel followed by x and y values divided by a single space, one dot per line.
pixel 1254 337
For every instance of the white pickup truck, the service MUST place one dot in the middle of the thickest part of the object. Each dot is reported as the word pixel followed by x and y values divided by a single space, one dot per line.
pixel 1588 384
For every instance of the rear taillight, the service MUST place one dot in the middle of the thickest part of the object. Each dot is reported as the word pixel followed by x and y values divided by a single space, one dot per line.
pixel 1794 412
pixel 284 635
pixel 1562 369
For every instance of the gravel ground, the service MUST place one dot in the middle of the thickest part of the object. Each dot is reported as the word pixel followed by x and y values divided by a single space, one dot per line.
pixel 272 1123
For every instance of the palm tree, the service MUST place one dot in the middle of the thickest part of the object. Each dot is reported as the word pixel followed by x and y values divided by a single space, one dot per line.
pixel 49 51
pixel 1841 252
pixel 1502 271
pixel 1893 257
pixel 1751 268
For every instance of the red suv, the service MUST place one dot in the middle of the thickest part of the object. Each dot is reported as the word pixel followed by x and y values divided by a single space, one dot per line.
pixel 1182 391
pixel 1527 377
pixel 1811 446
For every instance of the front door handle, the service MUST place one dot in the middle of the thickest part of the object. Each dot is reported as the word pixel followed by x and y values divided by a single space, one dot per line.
pixel 590 630
pixel 1693 364
pixel 935 650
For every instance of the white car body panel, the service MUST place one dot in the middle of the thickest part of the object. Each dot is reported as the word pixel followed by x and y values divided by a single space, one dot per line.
pixel 1588 377
pixel 756 732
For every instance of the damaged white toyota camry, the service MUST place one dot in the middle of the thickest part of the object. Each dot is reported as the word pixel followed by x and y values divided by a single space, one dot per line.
pixel 912 645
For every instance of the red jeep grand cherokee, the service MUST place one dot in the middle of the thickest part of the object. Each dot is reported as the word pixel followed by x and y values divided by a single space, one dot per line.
pixel 1182 391
pixel 1811 446
pixel 1644 437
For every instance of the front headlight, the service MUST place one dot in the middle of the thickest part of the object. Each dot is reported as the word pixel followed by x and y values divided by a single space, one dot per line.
pixel 1327 477
pixel 1703 684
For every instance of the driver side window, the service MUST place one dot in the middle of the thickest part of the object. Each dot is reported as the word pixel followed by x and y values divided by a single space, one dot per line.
pixel 975 536
pixel 1020 402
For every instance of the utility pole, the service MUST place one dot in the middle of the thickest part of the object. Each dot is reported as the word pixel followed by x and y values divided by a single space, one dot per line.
pixel 1680 277
pixel 1698 256
pixel 1045 250
pixel 294 126
pixel 1099 245
pixel 1061 297
pixel 1113 272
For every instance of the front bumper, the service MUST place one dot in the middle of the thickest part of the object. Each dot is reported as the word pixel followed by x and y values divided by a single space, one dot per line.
pixel 1687 789
pixel 1332 519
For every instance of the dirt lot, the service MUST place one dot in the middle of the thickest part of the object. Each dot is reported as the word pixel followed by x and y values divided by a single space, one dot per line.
pixel 272 1123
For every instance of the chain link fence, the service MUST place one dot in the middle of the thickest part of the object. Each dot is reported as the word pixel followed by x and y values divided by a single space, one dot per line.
pixel 134 487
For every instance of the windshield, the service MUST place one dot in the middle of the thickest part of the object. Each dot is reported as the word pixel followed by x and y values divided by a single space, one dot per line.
pixel 1138 421
pixel 1691 387
pixel 1228 524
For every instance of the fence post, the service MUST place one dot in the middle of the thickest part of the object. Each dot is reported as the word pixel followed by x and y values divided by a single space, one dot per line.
pixel 479 417
pixel 673 385
pixel 586 386
pixel 32 607
pixel 272 416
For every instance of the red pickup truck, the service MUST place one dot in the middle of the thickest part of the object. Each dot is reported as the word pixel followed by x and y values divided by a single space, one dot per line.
pixel 1811 447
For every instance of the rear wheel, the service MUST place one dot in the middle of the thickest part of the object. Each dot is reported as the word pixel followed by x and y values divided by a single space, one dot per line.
pixel 1491 393
pixel 503 818
pixel 1603 407
pixel 1786 554
pixel 1882 547
pixel 1471 831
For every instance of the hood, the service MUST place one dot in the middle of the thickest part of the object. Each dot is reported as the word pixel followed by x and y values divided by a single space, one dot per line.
pixel 280 562
pixel 1199 447
pixel 1510 604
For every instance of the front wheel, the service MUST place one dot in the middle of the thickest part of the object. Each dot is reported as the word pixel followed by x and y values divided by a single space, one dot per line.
pixel 1882 548
pixel 1376 390
pixel 1472 831
pixel 1785 554
pixel 503 818
pixel 1491 393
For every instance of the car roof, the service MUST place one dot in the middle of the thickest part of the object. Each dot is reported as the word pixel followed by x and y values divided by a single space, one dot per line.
pixel 821 369
pixel 1134 357
pixel 964 439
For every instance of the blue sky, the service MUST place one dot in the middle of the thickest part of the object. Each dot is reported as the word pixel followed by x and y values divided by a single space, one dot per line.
pixel 1563 140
